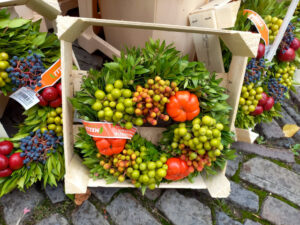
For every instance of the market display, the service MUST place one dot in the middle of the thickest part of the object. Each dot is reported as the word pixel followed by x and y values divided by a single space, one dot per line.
pixel 35 153
pixel 183 92
pixel 150 87
pixel 273 79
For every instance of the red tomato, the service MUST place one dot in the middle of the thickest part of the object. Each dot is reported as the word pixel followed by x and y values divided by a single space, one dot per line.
pixel 110 146
pixel 177 169
pixel 3 162
pixel 183 106
pixel 6 172
pixel 16 161
pixel 6 147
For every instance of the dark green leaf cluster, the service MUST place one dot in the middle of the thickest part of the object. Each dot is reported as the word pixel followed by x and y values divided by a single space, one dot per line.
pixel 49 173
pixel 20 35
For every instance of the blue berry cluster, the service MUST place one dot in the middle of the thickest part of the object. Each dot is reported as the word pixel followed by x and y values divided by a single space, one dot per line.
pixel 276 90
pixel 254 71
pixel 26 72
pixel 38 145
pixel 288 38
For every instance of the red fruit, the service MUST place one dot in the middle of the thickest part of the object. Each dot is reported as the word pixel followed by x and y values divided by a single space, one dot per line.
pixel 6 147
pixel 269 104
pixel 42 102
pixel 264 99
pixel 56 103
pixel 50 94
pixel 260 51
pixel 16 161
pixel 6 172
pixel 177 169
pixel 287 56
pixel 258 110
pixel 3 162
pixel 295 44
pixel 59 88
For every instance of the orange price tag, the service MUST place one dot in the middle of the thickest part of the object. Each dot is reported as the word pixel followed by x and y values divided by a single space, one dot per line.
pixel 259 23
pixel 107 130
pixel 51 76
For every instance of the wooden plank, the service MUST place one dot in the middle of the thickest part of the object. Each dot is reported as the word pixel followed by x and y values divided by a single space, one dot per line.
pixel 3 102
pixel 69 28
pixel 246 135
pixel 208 48
pixel 66 81
pixel 236 75
pixel 272 49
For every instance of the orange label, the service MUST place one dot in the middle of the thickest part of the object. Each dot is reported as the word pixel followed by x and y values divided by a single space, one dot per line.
pixel 259 23
pixel 107 130
pixel 51 76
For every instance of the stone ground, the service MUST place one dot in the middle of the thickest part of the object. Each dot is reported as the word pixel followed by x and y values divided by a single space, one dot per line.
pixel 265 181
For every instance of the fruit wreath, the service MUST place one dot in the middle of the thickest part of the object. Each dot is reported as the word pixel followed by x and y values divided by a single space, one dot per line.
pixel 154 86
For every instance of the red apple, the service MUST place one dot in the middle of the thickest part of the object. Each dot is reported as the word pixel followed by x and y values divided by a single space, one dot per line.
pixel 264 99
pixel 42 102
pixel 269 104
pixel 50 94
pixel 59 88
pixel 3 162
pixel 6 147
pixel 56 103
pixel 295 44
pixel 16 161
pixel 258 110
pixel 6 172
pixel 261 51
pixel 287 55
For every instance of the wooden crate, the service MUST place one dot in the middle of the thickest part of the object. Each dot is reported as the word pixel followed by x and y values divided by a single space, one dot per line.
pixel 47 8
pixel 242 45
pixel 247 135
pixel 153 11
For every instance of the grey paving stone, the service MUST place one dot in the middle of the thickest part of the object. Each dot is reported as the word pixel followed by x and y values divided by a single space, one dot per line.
pixel 243 198
pixel 56 194
pixel 287 119
pixel 271 130
pixel 223 219
pixel 274 135
pixel 15 202
pixel 182 210
pixel 233 165
pixel 89 215
pixel 292 112
pixel 55 219
pixel 296 168
pixel 274 153
pixel 279 212
pixel 104 194
pixel 87 61
pixel 153 194
pixel 271 177
pixel 296 97
pixel 126 210
pixel 250 222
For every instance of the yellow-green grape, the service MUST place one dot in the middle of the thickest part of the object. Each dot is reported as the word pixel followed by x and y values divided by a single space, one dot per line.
pixel 54 122
pixel 250 97
pixel 273 24
pixel 204 137
pixel 285 72
pixel 4 64
pixel 114 104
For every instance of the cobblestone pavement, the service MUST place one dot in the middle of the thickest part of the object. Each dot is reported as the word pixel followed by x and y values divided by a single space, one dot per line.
pixel 265 181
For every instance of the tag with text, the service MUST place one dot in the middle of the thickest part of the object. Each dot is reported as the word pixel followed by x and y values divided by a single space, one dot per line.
pixel 26 97
pixel 107 130
pixel 259 23
pixel 51 76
